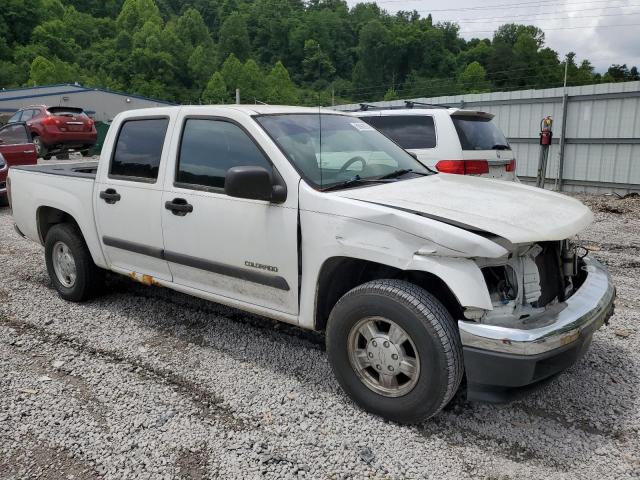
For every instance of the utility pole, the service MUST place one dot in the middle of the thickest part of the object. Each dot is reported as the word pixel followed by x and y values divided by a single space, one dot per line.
pixel 333 96
pixel 563 128
pixel 237 96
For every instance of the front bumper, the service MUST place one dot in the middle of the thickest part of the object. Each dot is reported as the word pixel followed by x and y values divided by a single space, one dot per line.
pixel 499 359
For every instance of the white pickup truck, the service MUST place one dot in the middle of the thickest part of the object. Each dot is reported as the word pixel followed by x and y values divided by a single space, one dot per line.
pixel 314 218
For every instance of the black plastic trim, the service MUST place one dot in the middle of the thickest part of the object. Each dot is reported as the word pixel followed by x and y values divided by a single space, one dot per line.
pixel 228 270
pixel 133 247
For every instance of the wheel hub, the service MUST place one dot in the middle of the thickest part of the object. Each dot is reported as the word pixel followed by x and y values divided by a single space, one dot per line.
pixel 64 265
pixel 383 356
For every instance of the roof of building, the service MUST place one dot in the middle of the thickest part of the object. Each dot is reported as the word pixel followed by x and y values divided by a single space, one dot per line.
pixel 31 92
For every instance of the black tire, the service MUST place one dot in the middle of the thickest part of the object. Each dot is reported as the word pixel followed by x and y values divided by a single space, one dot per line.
pixel 429 326
pixel 62 156
pixel 86 153
pixel 89 278
pixel 4 201
pixel 41 148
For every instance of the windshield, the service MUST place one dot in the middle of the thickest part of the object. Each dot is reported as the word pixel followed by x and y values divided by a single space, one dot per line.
pixel 479 133
pixel 330 149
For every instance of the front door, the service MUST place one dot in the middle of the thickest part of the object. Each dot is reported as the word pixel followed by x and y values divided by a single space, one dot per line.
pixel 128 199
pixel 16 146
pixel 237 248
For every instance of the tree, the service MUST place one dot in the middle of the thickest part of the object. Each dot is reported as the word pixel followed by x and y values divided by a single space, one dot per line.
pixel 234 38
pixel 135 13
pixel 232 72
pixel 390 94
pixel 280 89
pixel 252 82
pixel 474 79
pixel 215 91
pixel 42 71
pixel 316 64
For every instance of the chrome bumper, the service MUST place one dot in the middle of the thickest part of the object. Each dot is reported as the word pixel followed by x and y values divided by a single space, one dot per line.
pixel 564 323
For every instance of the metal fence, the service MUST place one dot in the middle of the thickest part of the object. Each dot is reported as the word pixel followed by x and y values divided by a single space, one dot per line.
pixel 596 145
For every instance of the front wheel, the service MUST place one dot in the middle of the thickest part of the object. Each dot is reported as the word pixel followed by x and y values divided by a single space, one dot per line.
pixel 69 264
pixel 395 350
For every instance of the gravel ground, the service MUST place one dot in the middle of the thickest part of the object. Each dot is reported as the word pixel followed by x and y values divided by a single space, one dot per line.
pixel 149 383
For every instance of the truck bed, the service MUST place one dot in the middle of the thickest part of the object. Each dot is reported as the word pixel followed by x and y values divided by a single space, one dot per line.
pixel 76 169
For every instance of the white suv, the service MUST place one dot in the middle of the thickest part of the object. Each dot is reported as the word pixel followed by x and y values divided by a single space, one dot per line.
pixel 449 140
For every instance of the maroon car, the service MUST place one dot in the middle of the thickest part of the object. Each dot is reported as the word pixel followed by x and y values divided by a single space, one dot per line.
pixel 56 130
pixel 16 148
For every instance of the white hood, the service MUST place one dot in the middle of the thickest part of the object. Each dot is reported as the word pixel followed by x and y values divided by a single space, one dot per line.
pixel 516 212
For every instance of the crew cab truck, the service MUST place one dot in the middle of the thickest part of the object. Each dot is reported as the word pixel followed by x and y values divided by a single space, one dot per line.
pixel 314 218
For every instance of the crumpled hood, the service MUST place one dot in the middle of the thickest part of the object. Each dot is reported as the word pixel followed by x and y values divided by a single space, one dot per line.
pixel 516 212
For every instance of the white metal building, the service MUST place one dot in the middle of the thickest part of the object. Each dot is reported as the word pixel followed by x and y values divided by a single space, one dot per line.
pixel 99 103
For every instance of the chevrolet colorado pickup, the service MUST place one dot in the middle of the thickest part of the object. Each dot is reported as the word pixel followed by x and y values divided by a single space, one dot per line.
pixel 313 217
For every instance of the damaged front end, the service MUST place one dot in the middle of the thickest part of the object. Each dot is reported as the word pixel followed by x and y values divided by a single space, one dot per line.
pixel 547 302
pixel 532 279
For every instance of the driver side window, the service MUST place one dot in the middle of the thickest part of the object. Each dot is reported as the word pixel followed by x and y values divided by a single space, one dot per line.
pixel 211 147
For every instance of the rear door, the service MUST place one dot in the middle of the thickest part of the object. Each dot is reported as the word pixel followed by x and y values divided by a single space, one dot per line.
pixel 16 146
pixel 481 139
pixel 128 196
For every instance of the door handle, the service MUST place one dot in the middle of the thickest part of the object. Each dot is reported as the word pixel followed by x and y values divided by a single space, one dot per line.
pixel 110 196
pixel 28 151
pixel 179 206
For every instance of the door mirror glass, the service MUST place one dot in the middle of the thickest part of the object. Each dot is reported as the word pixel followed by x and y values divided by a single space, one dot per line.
pixel 248 182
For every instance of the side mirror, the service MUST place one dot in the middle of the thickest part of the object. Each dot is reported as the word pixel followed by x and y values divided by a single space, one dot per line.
pixel 254 183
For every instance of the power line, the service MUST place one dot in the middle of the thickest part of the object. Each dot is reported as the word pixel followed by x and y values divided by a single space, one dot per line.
pixel 507 19
pixel 529 4
pixel 564 28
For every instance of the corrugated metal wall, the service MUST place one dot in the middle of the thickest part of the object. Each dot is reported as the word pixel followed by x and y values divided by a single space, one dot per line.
pixel 102 105
pixel 602 137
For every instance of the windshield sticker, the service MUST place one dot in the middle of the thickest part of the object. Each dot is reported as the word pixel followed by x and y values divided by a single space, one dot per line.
pixel 363 127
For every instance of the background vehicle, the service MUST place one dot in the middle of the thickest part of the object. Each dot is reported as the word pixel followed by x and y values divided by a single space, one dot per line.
pixel 450 140
pixel 55 130
pixel 16 148
pixel 316 220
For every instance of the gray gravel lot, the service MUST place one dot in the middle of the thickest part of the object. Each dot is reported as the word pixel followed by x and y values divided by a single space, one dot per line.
pixel 149 383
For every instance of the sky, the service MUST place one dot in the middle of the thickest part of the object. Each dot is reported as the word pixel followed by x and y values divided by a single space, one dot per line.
pixel 593 29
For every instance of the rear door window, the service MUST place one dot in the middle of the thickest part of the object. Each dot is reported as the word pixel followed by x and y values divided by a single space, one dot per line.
pixel 479 133
pixel 211 147
pixel 14 135
pixel 26 115
pixel 138 149
pixel 15 117
pixel 408 131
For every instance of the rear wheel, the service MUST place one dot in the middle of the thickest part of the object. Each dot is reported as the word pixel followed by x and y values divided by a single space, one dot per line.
pixel 62 156
pixel 86 152
pixel 41 148
pixel 69 264
pixel 395 350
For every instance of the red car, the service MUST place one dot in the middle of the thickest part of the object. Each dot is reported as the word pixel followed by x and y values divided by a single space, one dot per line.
pixel 16 148
pixel 56 130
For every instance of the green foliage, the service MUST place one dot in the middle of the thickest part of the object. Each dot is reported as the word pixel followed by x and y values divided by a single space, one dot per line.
pixel 215 91
pixel 234 38
pixel 278 51
pixel 279 87
pixel 391 94
pixel 474 79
